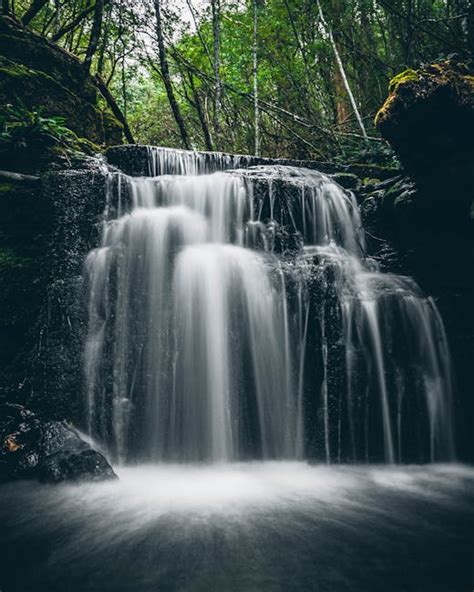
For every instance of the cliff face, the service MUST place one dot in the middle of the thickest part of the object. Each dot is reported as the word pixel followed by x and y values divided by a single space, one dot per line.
pixel 421 223
pixel 42 218
pixel 37 74
pixel 47 228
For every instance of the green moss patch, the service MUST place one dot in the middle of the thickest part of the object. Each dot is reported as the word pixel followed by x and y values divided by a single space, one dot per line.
pixel 408 75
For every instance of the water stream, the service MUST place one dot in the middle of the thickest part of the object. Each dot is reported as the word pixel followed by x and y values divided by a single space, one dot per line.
pixel 277 409
pixel 234 315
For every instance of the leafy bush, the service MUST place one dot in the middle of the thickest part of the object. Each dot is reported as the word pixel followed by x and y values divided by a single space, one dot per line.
pixel 22 129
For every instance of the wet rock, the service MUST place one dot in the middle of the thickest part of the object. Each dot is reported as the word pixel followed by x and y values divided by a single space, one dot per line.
pixel 347 180
pixel 133 160
pixel 50 451
pixel 46 232
pixel 421 229
pixel 77 465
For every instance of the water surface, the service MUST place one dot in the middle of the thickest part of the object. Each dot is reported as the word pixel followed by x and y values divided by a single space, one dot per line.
pixel 275 526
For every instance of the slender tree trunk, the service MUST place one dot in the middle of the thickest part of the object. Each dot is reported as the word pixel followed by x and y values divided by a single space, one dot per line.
pixel 5 7
pixel 114 108
pixel 57 14
pixel 124 87
pixel 469 27
pixel 95 34
pixel 77 20
pixel 201 114
pixel 198 32
pixel 105 39
pixel 255 79
pixel 167 80
pixel 216 30
pixel 33 10
pixel 342 71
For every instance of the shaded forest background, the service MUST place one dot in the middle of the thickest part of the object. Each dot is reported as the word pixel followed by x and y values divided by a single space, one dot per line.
pixel 286 78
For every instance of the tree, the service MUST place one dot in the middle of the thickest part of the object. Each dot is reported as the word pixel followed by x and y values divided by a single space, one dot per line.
pixel 33 10
pixel 216 30
pixel 291 78
pixel 255 77
pixel 95 34
pixel 341 77
pixel 166 77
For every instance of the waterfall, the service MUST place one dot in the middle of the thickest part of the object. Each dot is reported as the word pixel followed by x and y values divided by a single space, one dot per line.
pixel 234 315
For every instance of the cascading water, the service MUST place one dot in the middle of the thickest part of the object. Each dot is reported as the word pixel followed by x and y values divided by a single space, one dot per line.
pixel 232 316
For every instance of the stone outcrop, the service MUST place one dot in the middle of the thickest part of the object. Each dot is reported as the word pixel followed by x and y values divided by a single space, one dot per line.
pixel 133 159
pixel 50 451
pixel 420 223
pixel 38 74
pixel 46 230
pixel 428 117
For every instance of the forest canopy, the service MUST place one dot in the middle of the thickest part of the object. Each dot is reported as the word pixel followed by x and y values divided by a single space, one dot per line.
pixel 288 78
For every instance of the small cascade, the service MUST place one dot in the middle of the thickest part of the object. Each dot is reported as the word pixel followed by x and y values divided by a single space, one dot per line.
pixel 233 315
pixel 168 161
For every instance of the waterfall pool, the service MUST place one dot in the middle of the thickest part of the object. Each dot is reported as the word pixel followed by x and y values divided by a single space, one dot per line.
pixel 273 526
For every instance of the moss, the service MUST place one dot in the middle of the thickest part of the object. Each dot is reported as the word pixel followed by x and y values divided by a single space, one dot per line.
pixel 9 259
pixel 370 181
pixel 384 109
pixel 113 130
pixel 35 89
pixel 6 187
pixel 429 83
pixel 36 73
pixel 404 77
pixel 408 75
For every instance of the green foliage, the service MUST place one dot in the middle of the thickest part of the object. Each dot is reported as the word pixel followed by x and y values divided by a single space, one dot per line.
pixel 20 128
pixel 304 107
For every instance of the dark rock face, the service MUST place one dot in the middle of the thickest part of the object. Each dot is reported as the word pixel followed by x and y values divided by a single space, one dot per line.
pixel 411 231
pixel 46 232
pixel 428 117
pixel 75 466
pixel 422 225
pixel 50 451
pixel 36 73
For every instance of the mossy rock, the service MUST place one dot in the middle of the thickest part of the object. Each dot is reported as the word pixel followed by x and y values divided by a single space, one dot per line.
pixel 428 117
pixel 402 78
pixel 37 74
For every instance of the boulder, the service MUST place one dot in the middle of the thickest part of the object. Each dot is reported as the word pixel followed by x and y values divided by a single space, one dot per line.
pixel 50 451
pixel 428 117
pixel 38 74
pixel 77 465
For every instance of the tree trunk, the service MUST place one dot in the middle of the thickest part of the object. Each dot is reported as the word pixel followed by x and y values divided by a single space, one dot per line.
pixel 114 108
pixel 167 80
pixel 33 10
pixel 95 34
pixel 5 7
pixel 201 114
pixel 341 72
pixel 255 79
pixel 216 30
pixel 469 27
pixel 73 24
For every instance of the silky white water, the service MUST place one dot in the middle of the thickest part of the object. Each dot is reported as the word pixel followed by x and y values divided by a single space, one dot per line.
pixel 233 316
pixel 235 328
pixel 273 527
